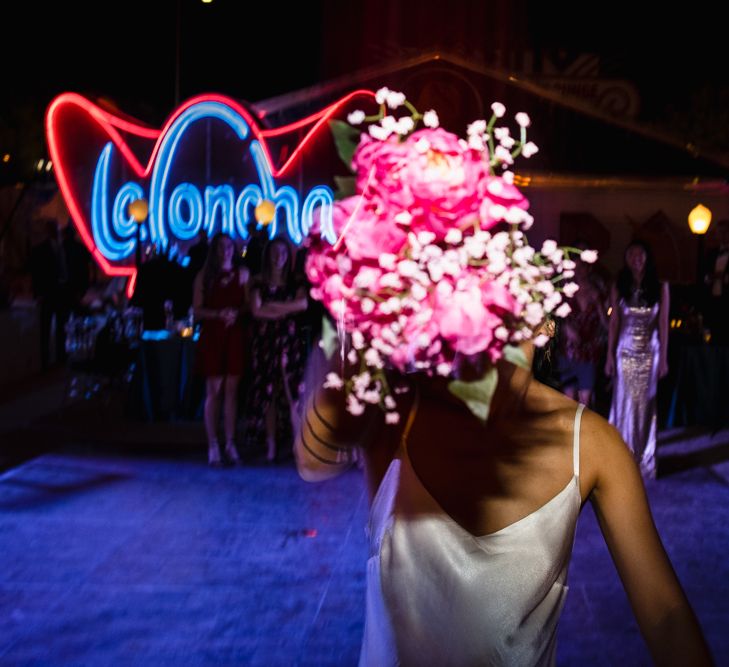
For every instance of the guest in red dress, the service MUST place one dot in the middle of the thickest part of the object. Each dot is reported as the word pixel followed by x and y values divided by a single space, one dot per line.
pixel 220 301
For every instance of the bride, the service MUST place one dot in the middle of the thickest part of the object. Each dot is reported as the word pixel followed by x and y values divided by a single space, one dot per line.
pixel 476 474
pixel 471 525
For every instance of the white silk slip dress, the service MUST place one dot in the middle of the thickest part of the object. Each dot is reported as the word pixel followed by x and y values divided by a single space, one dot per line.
pixel 438 595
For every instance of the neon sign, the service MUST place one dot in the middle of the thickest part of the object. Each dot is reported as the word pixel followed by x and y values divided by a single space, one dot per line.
pixel 206 170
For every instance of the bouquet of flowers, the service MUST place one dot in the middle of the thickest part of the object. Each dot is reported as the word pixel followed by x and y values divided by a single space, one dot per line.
pixel 431 260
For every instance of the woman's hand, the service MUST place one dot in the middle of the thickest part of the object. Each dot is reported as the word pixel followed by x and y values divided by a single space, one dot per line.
pixel 229 316
pixel 610 366
pixel 662 368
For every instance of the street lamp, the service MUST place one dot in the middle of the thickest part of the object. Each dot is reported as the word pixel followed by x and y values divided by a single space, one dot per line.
pixel 699 220
pixel 138 209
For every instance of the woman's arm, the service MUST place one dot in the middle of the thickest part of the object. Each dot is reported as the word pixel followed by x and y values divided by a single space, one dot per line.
pixel 664 308
pixel 264 311
pixel 243 275
pixel 663 613
pixel 299 304
pixel 274 310
pixel 613 329
pixel 328 434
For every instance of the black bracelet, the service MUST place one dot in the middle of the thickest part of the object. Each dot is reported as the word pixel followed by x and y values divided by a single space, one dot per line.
pixel 316 456
pixel 316 412
pixel 328 445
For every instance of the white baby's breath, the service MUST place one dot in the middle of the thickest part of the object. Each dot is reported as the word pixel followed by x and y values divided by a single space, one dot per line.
pixel 430 119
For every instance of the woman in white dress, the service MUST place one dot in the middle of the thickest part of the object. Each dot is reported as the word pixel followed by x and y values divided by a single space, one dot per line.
pixel 472 524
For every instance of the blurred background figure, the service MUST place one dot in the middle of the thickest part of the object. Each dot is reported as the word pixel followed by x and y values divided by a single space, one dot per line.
pixel 637 352
pixel 255 245
pixel 78 264
pixel 219 302
pixel 161 286
pixel 278 352
pixel 716 280
pixel 49 273
pixel 198 252
pixel 582 335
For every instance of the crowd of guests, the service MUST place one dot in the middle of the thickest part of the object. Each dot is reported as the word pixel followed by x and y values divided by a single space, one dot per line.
pixel 616 333
pixel 257 326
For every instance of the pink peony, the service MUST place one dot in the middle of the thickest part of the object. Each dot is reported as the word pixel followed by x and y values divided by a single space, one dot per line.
pixel 386 160
pixel 445 180
pixel 366 236
pixel 464 320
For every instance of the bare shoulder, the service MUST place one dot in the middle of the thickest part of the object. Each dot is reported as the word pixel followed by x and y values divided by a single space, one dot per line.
pixel 604 453
pixel 601 447
pixel 552 407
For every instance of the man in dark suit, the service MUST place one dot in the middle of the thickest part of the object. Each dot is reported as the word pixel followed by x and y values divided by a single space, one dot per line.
pixel 198 253
pixel 78 263
pixel 49 274
pixel 716 281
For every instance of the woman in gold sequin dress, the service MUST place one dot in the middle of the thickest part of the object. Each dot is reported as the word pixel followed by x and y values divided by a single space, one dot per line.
pixel 637 352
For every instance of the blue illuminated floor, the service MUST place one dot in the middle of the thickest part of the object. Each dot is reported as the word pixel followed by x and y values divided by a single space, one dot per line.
pixel 130 560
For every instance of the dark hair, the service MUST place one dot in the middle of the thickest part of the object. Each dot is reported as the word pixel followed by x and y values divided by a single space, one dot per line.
pixel 266 265
pixel 650 284
pixel 211 269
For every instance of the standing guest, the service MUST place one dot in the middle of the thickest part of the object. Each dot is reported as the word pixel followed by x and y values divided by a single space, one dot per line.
pixel 717 283
pixel 153 290
pixel 198 252
pixel 219 301
pixel 278 350
pixel 78 262
pixel 257 241
pixel 637 352
pixel 582 337
pixel 49 272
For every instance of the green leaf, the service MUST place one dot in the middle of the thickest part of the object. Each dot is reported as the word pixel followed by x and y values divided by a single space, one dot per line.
pixel 346 139
pixel 329 337
pixel 345 187
pixel 477 395
pixel 516 356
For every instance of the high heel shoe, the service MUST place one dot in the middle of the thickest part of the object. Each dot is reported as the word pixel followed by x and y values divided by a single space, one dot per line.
pixel 232 453
pixel 214 459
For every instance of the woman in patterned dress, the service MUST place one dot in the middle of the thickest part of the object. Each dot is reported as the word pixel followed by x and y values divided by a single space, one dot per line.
pixel 278 351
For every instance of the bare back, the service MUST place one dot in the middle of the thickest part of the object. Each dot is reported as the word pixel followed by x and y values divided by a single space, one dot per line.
pixel 486 477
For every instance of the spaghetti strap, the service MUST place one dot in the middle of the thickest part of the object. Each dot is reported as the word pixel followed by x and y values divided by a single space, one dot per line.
pixel 576 440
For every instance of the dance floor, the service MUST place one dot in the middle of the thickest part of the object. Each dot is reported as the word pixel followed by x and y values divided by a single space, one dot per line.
pixel 124 556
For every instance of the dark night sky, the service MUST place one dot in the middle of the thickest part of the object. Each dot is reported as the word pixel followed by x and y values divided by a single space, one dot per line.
pixel 253 51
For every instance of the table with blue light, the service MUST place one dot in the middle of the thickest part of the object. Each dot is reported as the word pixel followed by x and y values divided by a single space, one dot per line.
pixel 163 385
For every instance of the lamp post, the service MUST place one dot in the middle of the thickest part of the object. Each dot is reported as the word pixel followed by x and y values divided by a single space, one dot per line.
pixel 138 209
pixel 699 220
